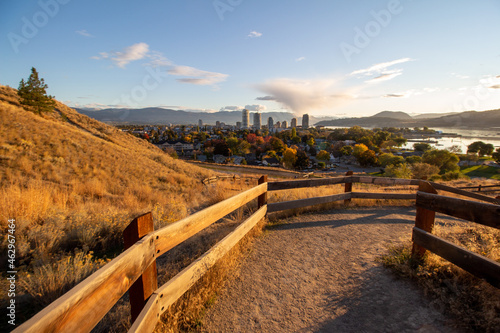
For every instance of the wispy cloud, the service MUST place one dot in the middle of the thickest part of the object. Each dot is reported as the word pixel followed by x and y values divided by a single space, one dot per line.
pixel 300 59
pixel 232 108
pixel 389 75
pixel 495 86
pixel 122 58
pixel 158 60
pixel 197 76
pixel 84 33
pixel 254 34
pixel 381 72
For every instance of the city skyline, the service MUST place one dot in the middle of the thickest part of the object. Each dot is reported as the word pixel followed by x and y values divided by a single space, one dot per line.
pixel 322 58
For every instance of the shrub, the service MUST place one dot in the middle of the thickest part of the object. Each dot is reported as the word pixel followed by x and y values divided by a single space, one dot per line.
pixel 398 171
pixel 423 170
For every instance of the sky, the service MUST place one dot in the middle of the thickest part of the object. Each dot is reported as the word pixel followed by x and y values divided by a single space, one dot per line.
pixel 321 57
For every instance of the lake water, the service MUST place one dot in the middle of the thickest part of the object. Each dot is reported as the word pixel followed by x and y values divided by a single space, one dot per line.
pixel 467 137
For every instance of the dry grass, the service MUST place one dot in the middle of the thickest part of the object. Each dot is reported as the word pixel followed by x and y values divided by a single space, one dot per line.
pixel 474 303
pixel 72 184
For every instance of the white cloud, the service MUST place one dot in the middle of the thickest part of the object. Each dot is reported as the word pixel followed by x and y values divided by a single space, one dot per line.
pixel 84 33
pixel 122 58
pixel 129 54
pixel 381 72
pixel 255 107
pixel 254 34
pixel 495 86
pixel 300 59
pixel 231 108
pixel 197 76
pixel 302 96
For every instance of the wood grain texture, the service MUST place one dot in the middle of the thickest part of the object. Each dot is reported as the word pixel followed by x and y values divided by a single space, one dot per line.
pixel 80 309
pixel 170 292
pixel 384 181
pixel 279 206
pixel 479 212
pixel 177 232
pixel 262 199
pixel 147 283
pixel 465 193
pixel 291 184
pixel 475 264
pixel 424 218
pixel 348 186
pixel 369 195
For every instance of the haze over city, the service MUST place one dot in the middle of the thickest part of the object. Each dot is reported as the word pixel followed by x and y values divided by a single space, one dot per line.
pixel 334 58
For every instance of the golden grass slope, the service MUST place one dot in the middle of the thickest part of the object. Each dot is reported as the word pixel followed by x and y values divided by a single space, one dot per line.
pixel 72 182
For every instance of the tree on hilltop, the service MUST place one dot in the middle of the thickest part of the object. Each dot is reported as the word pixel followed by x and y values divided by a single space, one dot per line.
pixel 33 94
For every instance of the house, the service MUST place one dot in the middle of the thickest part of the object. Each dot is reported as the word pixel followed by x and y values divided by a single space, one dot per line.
pixel 179 146
pixel 238 159
pixel 219 159
pixel 271 161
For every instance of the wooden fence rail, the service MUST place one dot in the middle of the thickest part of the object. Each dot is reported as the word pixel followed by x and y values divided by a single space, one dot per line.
pixel 482 213
pixel 134 270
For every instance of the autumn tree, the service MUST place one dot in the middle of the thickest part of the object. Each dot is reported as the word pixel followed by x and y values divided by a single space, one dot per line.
pixel 33 94
pixel 323 155
pixel 289 157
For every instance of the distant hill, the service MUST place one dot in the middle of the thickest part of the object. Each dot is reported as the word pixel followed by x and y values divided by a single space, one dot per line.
pixel 433 115
pixel 468 119
pixel 393 115
pixel 169 116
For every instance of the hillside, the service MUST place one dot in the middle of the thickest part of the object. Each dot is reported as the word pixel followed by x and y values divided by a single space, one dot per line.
pixel 468 119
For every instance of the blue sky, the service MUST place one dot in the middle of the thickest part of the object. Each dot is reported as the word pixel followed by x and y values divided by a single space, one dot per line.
pixel 322 57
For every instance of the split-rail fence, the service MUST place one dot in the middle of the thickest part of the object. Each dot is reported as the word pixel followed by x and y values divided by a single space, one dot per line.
pixel 80 309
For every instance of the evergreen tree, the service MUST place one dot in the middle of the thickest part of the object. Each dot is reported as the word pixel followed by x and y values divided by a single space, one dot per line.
pixel 33 94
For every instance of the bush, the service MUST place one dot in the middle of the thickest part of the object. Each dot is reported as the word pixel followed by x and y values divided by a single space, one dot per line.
pixel 398 171
pixel 423 170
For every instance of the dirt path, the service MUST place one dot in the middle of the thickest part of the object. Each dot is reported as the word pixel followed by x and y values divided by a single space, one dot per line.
pixel 318 273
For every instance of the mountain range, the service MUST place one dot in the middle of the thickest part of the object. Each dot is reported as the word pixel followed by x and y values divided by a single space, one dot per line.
pixel 467 119
pixel 180 117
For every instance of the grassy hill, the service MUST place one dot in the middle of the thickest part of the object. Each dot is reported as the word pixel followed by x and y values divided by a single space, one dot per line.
pixel 72 184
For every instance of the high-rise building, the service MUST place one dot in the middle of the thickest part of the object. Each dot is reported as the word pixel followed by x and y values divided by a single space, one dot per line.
pixel 294 123
pixel 238 124
pixel 257 121
pixel 305 121
pixel 278 124
pixel 245 119
pixel 200 123
pixel 270 124
pixel 284 124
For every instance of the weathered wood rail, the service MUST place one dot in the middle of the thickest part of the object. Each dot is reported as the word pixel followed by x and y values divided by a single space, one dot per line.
pixel 80 309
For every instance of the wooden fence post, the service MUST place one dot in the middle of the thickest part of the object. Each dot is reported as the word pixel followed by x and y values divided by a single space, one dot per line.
pixel 262 199
pixel 424 219
pixel 348 187
pixel 147 283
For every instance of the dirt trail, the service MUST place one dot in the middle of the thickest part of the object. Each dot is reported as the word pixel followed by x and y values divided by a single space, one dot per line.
pixel 318 273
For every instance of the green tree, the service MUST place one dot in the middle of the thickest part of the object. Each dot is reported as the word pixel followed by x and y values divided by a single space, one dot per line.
pixel 443 159
pixel 422 146
pixel 302 160
pixel 496 155
pixel 346 150
pixel 480 148
pixel 398 171
pixel 33 94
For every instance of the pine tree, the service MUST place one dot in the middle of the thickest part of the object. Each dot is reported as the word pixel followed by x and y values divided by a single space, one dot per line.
pixel 33 94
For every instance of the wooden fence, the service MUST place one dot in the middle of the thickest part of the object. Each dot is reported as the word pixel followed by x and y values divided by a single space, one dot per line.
pixel 134 270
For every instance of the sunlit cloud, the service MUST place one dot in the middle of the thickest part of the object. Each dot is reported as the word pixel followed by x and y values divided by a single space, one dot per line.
pixel 197 76
pixel 254 34
pixel 255 107
pixel 122 58
pixel 302 96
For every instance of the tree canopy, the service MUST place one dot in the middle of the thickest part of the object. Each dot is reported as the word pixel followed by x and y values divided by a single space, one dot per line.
pixel 33 94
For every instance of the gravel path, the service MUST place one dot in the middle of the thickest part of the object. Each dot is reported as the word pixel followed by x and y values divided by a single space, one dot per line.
pixel 318 273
